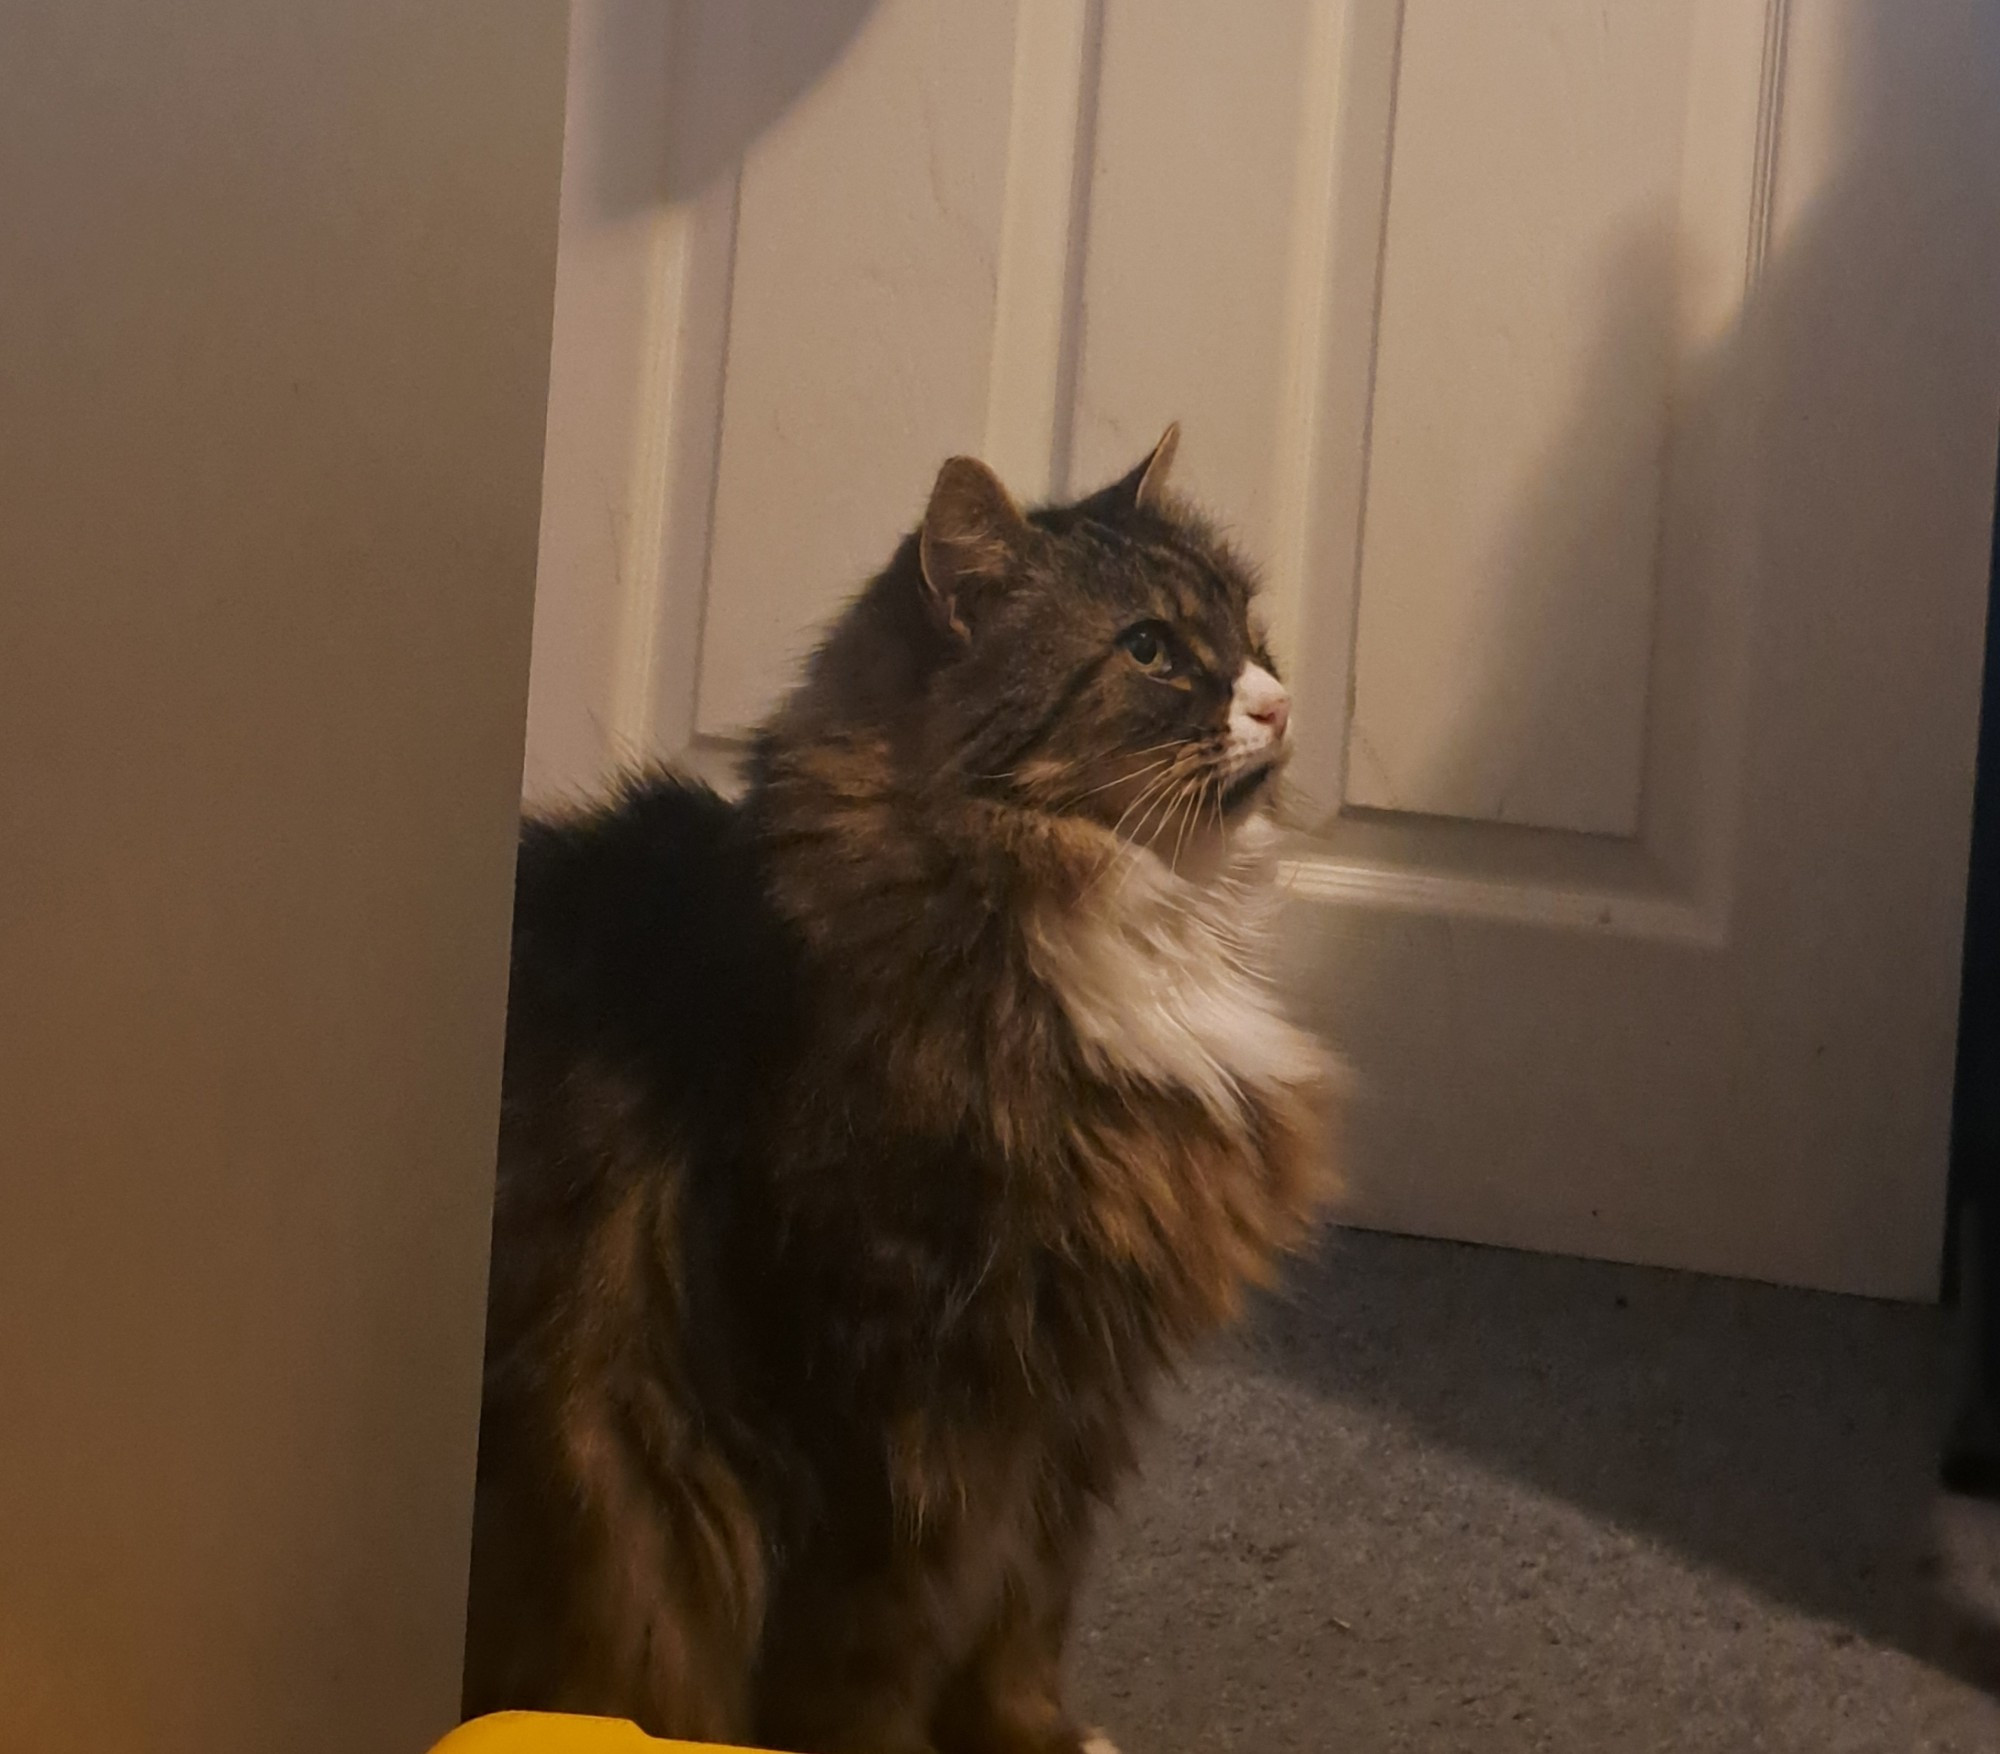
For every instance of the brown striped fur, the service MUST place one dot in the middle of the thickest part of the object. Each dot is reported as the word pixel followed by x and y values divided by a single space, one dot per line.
pixel 834 1266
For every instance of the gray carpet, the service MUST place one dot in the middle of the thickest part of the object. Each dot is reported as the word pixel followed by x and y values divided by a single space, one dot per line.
pixel 1440 1498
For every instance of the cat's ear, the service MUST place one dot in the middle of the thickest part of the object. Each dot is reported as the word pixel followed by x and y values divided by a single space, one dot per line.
pixel 1152 481
pixel 972 537
pixel 1144 487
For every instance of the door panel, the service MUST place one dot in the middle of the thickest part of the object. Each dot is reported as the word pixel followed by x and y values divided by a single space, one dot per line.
pixel 861 322
pixel 1526 341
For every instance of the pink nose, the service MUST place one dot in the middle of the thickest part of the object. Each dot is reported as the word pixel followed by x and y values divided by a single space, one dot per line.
pixel 1276 713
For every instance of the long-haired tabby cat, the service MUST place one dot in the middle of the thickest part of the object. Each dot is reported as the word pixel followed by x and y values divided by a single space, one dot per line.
pixel 870 1146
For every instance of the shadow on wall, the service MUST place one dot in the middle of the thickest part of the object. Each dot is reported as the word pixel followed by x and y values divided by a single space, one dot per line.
pixel 756 59
pixel 1788 1440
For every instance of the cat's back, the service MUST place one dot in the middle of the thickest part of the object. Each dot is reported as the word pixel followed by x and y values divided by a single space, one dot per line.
pixel 649 1002
pixel 650 990
pixel 644 950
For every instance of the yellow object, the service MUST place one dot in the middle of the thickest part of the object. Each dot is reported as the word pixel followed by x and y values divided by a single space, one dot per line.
pixel 535 1732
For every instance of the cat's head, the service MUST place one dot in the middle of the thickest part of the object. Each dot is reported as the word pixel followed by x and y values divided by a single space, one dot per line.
pixel 1106 659
pixel 1098 659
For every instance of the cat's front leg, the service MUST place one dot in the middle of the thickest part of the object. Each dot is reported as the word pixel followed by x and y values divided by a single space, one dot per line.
pixel 1006 1697
pixel 851 1665
pixel 1008 1700
pixel 1028 1721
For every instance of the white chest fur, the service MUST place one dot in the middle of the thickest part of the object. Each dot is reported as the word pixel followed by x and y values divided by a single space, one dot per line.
pixel 1162 975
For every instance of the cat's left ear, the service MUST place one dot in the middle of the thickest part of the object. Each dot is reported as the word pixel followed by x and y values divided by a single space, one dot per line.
pixel 972 539
pixel 1143 489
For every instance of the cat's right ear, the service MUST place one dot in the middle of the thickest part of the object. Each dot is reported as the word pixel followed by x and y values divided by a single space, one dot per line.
pixel 972 537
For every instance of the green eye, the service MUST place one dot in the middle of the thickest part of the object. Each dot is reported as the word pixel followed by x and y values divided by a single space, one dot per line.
pixel 1146 644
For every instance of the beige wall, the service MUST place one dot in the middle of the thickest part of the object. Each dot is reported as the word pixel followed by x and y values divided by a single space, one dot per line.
pixel 274 305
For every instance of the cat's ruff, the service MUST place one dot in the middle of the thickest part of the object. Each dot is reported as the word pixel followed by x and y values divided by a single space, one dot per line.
pixel 1162 973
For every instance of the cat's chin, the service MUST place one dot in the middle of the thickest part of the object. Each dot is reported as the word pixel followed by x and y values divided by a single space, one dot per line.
pixel 1243 794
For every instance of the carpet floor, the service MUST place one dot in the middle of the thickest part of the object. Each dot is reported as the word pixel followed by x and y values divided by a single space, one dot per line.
pixel 1438 1498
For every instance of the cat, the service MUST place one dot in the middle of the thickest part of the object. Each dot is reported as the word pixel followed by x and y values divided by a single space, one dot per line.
pixel 873 1145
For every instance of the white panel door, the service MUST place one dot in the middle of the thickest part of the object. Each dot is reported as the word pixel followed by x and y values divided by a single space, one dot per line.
pixel 1611 394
